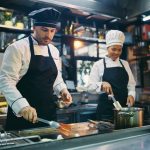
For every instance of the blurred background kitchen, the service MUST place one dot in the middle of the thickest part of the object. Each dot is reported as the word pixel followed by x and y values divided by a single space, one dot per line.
pixel 81 41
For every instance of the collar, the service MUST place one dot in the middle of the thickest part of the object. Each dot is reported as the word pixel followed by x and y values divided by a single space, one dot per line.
pixel 109 59
pixel 34 41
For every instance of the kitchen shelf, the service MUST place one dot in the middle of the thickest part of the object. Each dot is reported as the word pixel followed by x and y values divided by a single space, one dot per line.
pixel 14 29
pixel 87 58
pixel 147 71
pixel 147 56
pixel 86 39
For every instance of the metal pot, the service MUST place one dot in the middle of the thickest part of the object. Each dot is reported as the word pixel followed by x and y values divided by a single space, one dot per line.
pixel 128 117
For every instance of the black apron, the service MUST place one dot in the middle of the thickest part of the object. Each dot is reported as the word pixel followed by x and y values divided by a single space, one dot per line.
pixel 37 87
pixel 118 78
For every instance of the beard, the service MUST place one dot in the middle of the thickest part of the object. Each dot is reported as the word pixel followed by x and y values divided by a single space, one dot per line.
pixel 44 41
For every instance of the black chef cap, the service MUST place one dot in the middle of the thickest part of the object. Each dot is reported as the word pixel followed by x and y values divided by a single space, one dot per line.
pixel 48 17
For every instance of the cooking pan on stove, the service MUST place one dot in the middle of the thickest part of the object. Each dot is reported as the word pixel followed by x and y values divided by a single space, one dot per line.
pixel 128 117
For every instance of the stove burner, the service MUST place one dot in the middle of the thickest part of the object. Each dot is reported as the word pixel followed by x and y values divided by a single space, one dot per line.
pixel 7 139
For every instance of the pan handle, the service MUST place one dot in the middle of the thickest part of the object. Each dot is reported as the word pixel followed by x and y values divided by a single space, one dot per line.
pixel 127 114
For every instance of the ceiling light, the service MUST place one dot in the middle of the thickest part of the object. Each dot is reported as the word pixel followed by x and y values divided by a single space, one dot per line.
pixel 115 20
pixel 146 18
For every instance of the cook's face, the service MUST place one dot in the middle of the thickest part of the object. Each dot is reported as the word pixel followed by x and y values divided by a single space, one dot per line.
pixel 114 51
pixel 44 35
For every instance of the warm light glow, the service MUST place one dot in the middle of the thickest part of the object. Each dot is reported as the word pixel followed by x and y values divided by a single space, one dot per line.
pixel 77 44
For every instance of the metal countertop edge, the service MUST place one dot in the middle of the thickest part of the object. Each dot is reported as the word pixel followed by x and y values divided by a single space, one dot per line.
pixel 87 140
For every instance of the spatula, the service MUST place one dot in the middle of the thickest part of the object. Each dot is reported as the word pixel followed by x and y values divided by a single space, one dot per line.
pixel 115 103
pixel 52 124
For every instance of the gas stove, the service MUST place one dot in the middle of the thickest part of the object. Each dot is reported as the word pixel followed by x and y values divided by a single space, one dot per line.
pixel 8 139
pixel 13 139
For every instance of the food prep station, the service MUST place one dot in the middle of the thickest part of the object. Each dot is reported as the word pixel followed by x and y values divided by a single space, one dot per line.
pixel 132 138
pixel 78 134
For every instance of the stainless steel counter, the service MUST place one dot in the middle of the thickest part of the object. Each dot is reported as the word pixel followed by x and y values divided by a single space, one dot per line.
pixel 139 142
pixel 131 139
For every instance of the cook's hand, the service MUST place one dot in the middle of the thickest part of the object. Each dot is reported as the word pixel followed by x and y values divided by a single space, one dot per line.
pixel 130 100
pixel 29 113
pixel 66 97
pixel 106 87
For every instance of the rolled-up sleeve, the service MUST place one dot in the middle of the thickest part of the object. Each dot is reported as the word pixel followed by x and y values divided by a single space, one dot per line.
pixel 9 77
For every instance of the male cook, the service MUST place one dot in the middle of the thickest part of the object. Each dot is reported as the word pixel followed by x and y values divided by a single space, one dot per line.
pixel 30 74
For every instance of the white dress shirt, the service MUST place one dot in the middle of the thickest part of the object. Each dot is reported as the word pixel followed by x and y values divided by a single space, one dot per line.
pixel 97 71
pixel 15 65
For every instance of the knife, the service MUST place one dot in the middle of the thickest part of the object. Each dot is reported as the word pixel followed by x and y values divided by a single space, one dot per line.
pixel 52 124
pixel 115 103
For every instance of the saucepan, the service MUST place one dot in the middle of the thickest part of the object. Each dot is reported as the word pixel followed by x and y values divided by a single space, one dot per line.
pixel 128 117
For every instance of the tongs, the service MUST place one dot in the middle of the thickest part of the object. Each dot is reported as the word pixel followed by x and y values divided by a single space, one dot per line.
pixel 52 124
pixel 115 103
pixel 65 129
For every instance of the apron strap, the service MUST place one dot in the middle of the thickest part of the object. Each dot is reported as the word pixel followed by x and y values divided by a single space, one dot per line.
pixel 121 63
pixel 104 63
pixel 31 45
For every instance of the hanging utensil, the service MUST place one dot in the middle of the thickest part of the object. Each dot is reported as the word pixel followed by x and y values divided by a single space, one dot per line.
pixel 52 124
pixel 115 102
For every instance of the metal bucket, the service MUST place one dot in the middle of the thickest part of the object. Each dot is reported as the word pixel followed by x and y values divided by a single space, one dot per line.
pixel 128 117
